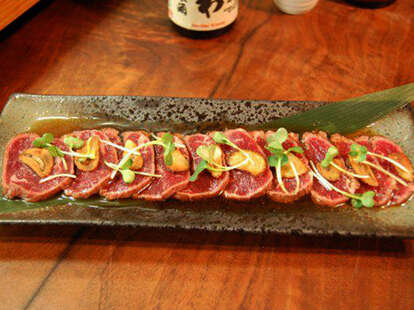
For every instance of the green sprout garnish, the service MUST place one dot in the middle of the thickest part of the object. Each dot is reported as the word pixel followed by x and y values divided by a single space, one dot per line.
pixel 276 140
pixel 202 165
pixel 357 200
pixel 89 154
pixel 128 175
pixel 329 160
pixel 358 152
pixel 364 200
pixel 220 138
pixel 73 142
pixel 275 146
pixel 329 157
pixel 167 141
pixel 279 155
pixel 45 142
pixel 206 153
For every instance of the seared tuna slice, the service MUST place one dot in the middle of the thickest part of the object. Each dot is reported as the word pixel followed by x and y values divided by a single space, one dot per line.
pixel 117 188
pixel 385 147
pixel 206 185
pixel 88 183
pixel 242 184
pixel 113 136
pixel 19 180
pixel 275 192
pixel 381 184
pixel 316 146
pixel 171 181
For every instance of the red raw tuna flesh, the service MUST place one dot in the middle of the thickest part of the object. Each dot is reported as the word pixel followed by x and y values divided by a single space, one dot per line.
pixel 384 146
pixel 206 186
pixel 386 184
pixel 243 185
pixel 316 145
pixel 170 182
pixel 88 183
pixel 117 188
pixel 275 192
pixel 21 181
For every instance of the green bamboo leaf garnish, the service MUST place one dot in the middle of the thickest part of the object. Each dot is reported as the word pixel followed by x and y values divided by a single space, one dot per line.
pixel 349 115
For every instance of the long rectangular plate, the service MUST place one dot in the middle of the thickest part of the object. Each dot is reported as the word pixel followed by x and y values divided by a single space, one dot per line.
pixel 185 115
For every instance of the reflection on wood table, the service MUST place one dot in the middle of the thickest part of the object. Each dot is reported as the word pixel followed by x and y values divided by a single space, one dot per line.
pixel 126 47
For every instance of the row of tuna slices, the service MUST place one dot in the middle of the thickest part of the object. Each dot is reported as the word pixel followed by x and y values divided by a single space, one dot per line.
pixel 20 181
pixel 387 190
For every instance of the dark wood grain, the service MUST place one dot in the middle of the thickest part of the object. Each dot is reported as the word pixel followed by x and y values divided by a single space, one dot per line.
pixel 116 47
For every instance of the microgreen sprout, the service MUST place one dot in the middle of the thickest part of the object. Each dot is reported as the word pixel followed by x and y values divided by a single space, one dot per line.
pixel 365 200
pixel 45 141
pixel 168 144
pixel 220 138
pixel 202 165
pixel 76 143
pixel 166 141
pixel 357 200
pixel 360 152
pixel 330 155
pixel 73 142
pixel 279 156
pixel 276 140
pixel 206 153
pixel 128 175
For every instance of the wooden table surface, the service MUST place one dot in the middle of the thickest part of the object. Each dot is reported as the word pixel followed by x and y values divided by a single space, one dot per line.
pixel 127 47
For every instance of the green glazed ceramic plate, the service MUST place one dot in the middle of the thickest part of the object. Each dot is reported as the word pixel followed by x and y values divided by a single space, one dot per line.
pixel 62 114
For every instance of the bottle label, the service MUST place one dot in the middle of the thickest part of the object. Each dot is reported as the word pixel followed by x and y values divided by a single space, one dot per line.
pixel 203 15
